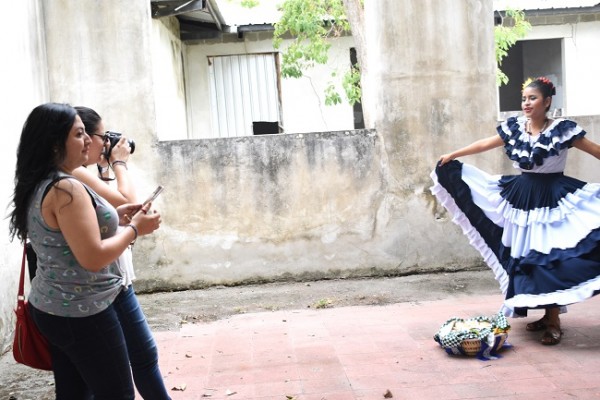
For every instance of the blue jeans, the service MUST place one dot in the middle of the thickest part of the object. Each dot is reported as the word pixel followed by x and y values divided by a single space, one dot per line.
pixel 142 350
pixel 91 356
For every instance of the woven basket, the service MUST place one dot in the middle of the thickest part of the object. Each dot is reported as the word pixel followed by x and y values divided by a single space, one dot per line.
pixel 472 346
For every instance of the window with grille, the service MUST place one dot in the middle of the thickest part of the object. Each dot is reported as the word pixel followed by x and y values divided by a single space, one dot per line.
pixel 245 95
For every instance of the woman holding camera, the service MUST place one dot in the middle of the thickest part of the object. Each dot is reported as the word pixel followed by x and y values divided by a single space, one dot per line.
pixel 141 347
pixel 74 233
pixel 118 155
pixel 118 151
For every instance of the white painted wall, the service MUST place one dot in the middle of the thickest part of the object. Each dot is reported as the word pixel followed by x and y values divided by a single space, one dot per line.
pixel 581 63
pixel 304 108
pixel 23 84
pixel 168 81
pixel 303 99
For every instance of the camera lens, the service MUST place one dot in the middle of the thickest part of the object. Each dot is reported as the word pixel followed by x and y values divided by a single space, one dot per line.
pixel 113 138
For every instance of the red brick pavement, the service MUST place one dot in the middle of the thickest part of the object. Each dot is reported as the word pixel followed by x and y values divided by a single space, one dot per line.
pixel 364 353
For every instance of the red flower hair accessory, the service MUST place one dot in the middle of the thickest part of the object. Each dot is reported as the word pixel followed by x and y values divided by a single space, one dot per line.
pixel 545 81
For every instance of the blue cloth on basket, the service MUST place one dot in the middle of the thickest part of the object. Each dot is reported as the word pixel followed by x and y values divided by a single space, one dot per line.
pixel 539 231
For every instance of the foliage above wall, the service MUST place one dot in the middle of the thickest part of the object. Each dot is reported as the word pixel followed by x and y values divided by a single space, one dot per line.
pixel 513 27
pixel 314 23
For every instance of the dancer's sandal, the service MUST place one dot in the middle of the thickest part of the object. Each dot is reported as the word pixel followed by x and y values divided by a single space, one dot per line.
pixel 552 336
pixel 537 326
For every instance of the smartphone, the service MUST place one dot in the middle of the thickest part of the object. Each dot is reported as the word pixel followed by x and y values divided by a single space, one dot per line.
pixel 154 195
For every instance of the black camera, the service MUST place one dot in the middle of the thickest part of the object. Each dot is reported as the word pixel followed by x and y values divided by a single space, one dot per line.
pixel 113 138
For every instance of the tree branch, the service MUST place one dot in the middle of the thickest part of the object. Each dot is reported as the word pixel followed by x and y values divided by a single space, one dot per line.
pixel 356 17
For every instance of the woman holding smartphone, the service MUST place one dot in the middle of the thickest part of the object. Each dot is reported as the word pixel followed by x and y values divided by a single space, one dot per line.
pixel 73 231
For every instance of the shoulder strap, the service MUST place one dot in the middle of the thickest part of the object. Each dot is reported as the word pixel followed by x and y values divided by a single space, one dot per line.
pixel 22 279
pixel 49 186
pixel 60 178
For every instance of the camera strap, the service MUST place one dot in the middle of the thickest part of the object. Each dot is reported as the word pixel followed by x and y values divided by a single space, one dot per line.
pixel 100 172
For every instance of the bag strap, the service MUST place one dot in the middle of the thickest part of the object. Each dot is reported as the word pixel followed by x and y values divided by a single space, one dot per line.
pixel 22 279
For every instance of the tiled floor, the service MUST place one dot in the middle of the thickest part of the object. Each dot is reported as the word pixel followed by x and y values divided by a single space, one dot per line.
pixel 364 353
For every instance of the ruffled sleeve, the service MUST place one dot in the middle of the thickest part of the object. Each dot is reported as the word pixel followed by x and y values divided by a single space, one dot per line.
pixel 561 135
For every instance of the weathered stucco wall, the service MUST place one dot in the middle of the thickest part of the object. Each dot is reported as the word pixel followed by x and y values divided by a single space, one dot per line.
pixel 110 60
pixel 431 81
pixel 266 208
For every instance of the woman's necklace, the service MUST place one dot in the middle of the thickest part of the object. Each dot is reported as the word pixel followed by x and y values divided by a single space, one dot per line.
pixel 528 127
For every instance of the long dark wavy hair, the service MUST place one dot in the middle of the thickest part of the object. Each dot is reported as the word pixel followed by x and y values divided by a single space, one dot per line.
pixel 41 149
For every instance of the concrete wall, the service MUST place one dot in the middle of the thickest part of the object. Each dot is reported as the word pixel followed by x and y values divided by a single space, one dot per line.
pixel 265 208
pixel 336 203
pixel 23 84
pixel 307 206
pixel 432 85
pixel 580 164
pixel 85 53
pixel 119 61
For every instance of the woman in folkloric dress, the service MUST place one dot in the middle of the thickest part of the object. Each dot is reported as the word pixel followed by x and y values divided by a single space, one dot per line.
pixel 539 231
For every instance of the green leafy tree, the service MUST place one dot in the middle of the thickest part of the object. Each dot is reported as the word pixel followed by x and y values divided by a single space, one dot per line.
pixel 513 28
pixel 312 25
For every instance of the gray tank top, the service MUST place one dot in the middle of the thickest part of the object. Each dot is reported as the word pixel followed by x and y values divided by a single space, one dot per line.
pixel 61 285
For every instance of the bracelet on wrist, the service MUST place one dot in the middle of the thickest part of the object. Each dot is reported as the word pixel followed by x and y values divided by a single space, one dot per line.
pixel 119 162
pixel 135 231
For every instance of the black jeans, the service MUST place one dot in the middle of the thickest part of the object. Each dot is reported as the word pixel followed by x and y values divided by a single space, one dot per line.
pixel 91 356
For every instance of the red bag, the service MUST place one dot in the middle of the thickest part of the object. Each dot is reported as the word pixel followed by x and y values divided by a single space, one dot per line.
pixel 29 346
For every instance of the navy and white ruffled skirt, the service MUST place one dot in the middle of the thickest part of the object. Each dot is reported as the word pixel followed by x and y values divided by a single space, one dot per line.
pixel 539 233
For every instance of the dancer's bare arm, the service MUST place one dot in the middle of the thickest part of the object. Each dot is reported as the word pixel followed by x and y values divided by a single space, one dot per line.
pixel 476 147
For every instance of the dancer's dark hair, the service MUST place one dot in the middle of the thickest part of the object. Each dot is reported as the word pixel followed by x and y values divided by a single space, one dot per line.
pixel 544 85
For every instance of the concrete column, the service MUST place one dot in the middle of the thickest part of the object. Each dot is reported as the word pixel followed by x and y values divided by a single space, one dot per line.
pixel 432 84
